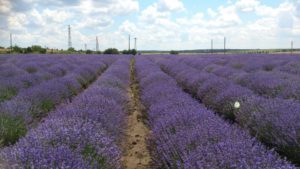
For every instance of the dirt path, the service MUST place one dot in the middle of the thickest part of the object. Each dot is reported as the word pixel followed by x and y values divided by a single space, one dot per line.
pixel 136 154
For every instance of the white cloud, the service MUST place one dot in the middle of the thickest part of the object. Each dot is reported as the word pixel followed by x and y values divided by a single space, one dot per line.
pixel 223 17
pixel 17 22
pixel 263 10
pixel 247 5
pixel 160 10
pixel 296 28
pixel 45 19
pixel 227 17
pixel 151 14
pixel 128 27
pixel 297 6
pixel 107 7
pixel 58 16
pixel 122 7
pixel 170 5
pixel 5 6
pixel 156 26
pixel 211 13
pixel 94 23
pixel 271 28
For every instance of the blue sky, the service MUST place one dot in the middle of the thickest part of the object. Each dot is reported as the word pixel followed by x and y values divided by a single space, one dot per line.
pixel 157 24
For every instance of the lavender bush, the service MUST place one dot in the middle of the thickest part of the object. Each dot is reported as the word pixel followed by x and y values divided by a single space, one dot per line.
pixel 34 103
pixel 265 83
pixel 81 134
pixel 187 135
pixel 273 121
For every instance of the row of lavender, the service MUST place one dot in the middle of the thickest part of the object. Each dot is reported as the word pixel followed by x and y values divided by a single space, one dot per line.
pixel 275 122
pixel 19 73
pixel 269 81
pixel 187 135
pixel 25 110
pixel 252 63
pixel 82 134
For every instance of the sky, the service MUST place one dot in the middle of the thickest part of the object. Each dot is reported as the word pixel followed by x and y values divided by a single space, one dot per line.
pixel 157 24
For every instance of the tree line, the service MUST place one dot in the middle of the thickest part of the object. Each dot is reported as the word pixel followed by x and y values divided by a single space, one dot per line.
pixel 40 50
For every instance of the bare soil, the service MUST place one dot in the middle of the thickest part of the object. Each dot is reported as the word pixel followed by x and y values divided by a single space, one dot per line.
pixel 135 152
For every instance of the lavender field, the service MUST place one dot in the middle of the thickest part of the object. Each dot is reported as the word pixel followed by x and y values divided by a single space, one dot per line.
pixel 150 111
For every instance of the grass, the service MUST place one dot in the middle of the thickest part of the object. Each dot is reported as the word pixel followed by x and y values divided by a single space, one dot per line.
pixel 47 105
pixel 43 107
pixel 7 93
pixel 89 153
pixel 11 129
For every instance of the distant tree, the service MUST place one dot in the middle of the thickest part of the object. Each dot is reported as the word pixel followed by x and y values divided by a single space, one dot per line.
pixel 125 52
pixel 28 50
pixel 173 52
pixel 129 52
pixel 88 51
pixel 71 49
pixel 111 51
pixel 43 50
pixel 133 52
pixel 98 52
pixel 1 47
pixel 17 49
pixel 36 49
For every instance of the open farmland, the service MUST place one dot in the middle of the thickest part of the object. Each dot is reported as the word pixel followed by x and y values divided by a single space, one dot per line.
pixel 150 111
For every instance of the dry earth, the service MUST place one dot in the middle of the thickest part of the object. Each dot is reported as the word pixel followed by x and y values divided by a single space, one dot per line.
pixel 135 152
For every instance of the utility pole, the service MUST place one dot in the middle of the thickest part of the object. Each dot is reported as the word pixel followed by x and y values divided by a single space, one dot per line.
pixel 292 44
pixel 11 42
pixel 212 46
pixel 69 37
pixel 224 45
pixel 135 43
pixel 97 44
pixel 129 42
pixel 85 47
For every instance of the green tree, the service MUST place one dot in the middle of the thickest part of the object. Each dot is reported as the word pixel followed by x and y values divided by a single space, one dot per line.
pixel 125 52
pixel 28 50
pixel 89 51
pixel 173 52
pixel 133 52
pixel 71 50
pixel 37 49
pixel 17 49
pixel 111 51
pixel 129 52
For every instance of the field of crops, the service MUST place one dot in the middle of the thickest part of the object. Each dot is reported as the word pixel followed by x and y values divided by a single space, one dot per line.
pixel 199 111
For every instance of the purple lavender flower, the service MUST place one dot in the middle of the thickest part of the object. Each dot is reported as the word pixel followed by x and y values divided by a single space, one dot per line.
pixel 81 134
pixel 265 118
pixel 187 135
